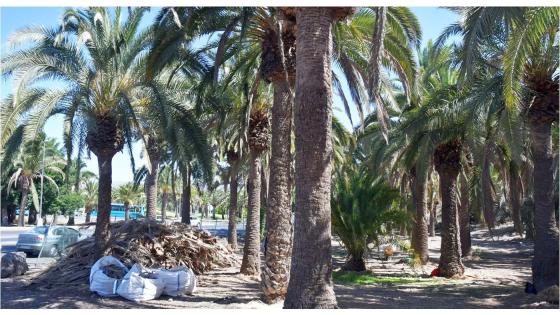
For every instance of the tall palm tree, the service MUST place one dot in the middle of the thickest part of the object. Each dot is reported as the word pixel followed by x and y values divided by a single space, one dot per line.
pixel 165 188
pixel 530 64
pixel 310 284
pixel 29 166
pixel 128 195
pixel 258 142
pixel 95 53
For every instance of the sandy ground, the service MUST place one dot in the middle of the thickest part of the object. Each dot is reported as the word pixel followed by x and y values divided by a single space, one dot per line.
pixel 494 278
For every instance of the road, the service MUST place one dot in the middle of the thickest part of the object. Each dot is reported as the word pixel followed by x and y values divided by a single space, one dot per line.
pixel 9 235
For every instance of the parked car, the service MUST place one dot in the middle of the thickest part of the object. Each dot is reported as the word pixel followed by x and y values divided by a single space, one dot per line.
pixel 53 239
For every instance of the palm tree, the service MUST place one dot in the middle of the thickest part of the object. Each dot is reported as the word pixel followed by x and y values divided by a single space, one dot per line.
pixel 530 63
pixel 95 54
pixel 258 142
pixel 128 195
pixel 310 284
pixel 29 165
pixel 165 188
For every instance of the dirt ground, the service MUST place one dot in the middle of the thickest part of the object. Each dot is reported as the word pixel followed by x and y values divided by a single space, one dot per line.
pixel 494 278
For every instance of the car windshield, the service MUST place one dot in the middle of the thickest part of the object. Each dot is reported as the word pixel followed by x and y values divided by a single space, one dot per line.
pixel 40 230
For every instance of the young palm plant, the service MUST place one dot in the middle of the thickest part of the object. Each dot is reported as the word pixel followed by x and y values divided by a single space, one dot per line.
pixel 361 207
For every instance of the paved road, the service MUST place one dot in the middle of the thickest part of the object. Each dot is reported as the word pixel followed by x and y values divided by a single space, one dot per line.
pixel 9 235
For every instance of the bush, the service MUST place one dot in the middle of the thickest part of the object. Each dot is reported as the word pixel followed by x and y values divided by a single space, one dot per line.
pixel 362 206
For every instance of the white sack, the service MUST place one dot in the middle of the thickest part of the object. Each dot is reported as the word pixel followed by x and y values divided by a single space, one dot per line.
pixel 178 281
pixel 99 282
pixel 136 288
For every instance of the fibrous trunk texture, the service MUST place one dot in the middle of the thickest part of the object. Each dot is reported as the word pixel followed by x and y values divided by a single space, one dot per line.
pixel 420 228
pixel 150 188
pixel 104 140
pixel 488 191
pixel 464 224
pixel 186 197
pixel 232 211
pixel 310 284
pixel 24 190
pixel 276 271
pixel 164 201
pixel 126 211
pixel 251 251
pixel 515 196
pixel 447 162
pixel 545 260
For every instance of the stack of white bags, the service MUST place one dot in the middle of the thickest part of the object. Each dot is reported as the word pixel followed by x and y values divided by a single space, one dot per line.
pixel 136 286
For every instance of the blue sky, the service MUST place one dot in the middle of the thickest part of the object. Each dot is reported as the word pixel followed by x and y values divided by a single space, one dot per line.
pixel 432 20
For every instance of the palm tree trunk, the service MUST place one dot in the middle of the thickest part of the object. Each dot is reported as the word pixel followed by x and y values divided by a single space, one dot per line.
pixel 251 251
pixel 420 228
pixel 310 284
pixel 515 196
pixel 174 191
pixel 164 199
pixel 464 224
pixel 126 211
pixel 24 189
pixel 433 218
pixel 150 189
pixel 447 161
pixel 102 232
pixel 488 191
pixel 232 217
pixel 32 219
pixel 276 271
pixel 545 260
pixel 88 214
pixel 264 199
pixel 186 197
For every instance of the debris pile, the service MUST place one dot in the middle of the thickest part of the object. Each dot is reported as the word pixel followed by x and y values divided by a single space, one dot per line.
pixel 148 243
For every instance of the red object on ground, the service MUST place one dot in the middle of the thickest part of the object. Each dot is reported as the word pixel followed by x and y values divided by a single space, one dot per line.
pixel 435 273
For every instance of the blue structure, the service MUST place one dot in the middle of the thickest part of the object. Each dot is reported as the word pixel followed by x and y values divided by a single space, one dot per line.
pixel 117 211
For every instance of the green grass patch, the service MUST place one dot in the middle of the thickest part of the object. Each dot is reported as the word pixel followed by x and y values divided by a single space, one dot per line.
pixel 362 278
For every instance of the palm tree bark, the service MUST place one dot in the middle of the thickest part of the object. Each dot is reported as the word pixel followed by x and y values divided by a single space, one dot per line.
pixel 88 214
pixel 32 219
pixel 101 235
pixel 545 260
pixel 164 199
pixel 420 228
pixel 250 264
pixel 464 224
pixel 150 189
pixel 232 211
pixel 264 199
pixel 310 284
pixel 515 196
pixel 447 162
pixel 276 271
pixel 488 191
pixel 186 197
pixel 24 190
pixel 126 211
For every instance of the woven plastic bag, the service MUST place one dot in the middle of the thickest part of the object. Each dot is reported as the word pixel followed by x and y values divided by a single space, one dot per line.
pixel 101 283
pixel 178 281
pixel 137 288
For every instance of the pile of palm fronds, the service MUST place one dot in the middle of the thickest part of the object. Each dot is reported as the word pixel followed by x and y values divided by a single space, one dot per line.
pixel 148 243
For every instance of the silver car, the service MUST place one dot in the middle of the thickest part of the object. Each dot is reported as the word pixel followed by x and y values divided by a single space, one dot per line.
pixel 53 240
